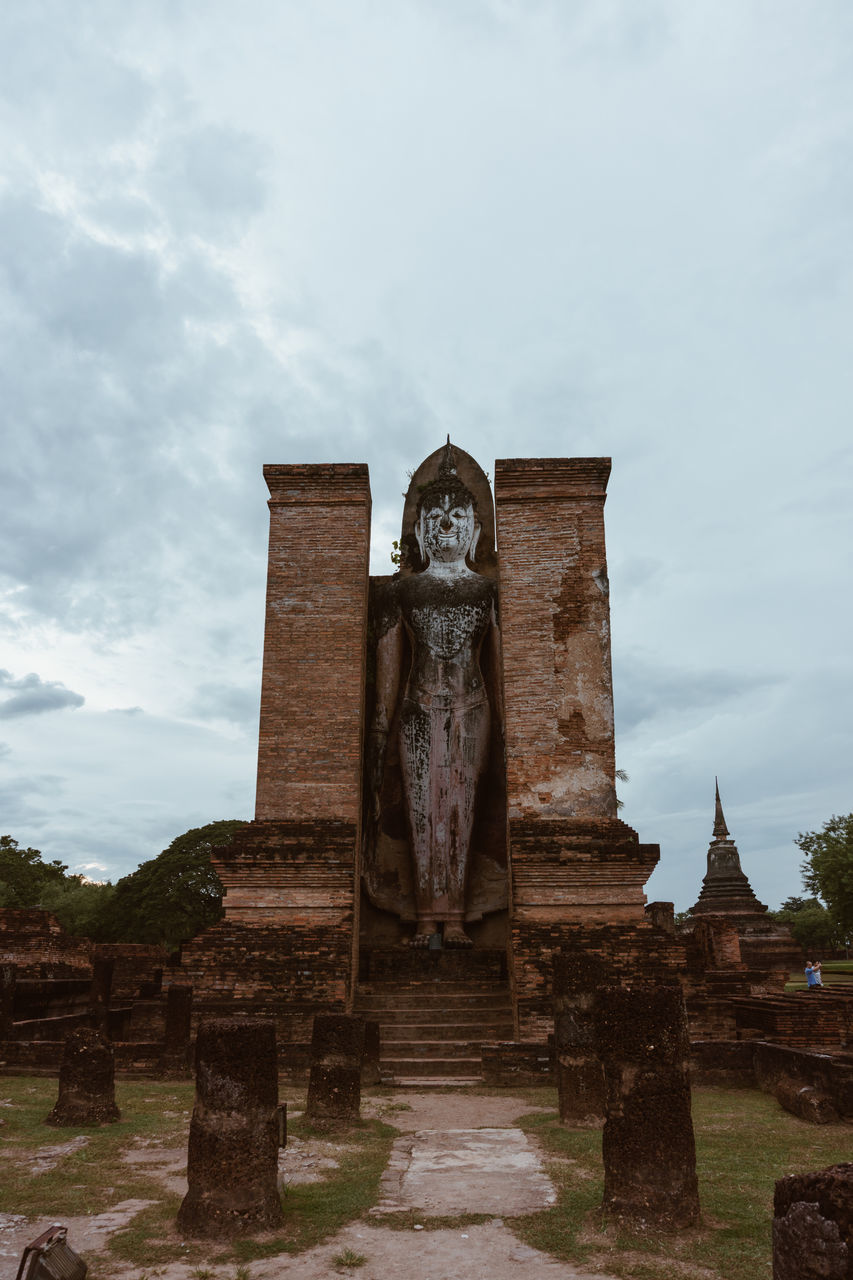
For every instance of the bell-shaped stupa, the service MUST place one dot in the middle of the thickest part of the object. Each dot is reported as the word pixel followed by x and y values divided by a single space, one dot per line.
pixel 725 889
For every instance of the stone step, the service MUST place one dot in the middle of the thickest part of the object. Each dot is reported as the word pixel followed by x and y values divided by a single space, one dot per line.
pixel 429 1049
pixel 445 1001
pixel 407 1068
pixel 492 1029
pixel 437 1082
pixel 402 962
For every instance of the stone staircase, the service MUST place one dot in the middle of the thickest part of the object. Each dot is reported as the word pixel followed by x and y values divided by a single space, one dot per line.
pixel 434 1010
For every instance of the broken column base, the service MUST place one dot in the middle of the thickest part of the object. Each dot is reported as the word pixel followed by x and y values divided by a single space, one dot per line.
pixel 86 1081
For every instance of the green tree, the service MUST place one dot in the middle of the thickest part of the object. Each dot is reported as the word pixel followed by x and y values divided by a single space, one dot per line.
pixel 811 925
pixel 24 875
pixel 828 868
pixel 174 896
pixel 83 907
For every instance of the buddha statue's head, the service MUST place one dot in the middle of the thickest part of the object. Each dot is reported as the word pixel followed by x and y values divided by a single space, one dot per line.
pixel 446 524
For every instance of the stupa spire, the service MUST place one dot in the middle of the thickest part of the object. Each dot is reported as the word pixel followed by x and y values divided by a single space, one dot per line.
pixel 725 888
pixel 720 828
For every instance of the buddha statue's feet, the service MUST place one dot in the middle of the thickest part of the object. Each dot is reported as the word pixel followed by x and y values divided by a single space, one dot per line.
pixel 422 935
pixel 455 936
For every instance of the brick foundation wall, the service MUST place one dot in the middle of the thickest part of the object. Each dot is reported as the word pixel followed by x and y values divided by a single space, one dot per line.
pixel 35 941
pixel 134 963
pixel 287 974
pixel 637 952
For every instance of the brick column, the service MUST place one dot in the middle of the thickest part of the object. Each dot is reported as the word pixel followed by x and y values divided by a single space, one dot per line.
pixel 296 863
pixel 285 948
pixel 309 748
pixel 555 626
pixel 572 860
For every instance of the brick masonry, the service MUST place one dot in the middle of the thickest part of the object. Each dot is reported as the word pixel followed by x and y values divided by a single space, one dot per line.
pixel 312 693
pixel 285 948
pixel 555 628
pixel 572 861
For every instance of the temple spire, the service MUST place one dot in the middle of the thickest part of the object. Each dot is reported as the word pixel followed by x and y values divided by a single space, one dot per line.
pixel 725 888
pixel 720 828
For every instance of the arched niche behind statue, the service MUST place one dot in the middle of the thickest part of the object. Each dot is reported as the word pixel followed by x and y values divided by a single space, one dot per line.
pixel 388 903
pixel 475 480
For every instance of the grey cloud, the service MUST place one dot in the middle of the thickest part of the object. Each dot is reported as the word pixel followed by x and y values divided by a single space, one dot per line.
pixel 210 179
pixel 226 702
pixel 645 690
pixel 30 695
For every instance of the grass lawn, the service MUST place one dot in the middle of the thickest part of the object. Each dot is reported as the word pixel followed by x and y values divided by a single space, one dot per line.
pixel 745 1141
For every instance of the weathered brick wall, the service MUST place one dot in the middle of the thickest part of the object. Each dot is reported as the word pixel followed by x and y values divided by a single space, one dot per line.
pixel 638 952
pixel 832 1075
pixel 284 973
pixel 309 749
pixel 134 963
pixel 567 875
pixel 579 869
pixel 289 873
pixel 571 859
pixel 555 628
pixel 35 941
pixel 800 1020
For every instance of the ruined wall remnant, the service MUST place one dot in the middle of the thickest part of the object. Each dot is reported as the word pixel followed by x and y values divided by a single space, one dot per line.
pixel 813 1225
pixel 232 1158
pixel 86 1081
pixel 334 1085
pixel 176 1043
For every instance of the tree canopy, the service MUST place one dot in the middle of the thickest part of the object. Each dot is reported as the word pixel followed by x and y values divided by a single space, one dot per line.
pixel 811 925
pixel 828 868
pixel 24 875
pixel 168 899
pixel 174 896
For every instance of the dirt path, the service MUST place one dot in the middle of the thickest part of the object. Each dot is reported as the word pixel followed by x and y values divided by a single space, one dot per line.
pixel 445 1164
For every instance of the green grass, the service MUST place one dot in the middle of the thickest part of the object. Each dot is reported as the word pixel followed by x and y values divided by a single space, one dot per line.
pixel 348 1260
pixel 96 1175
pixel 316 1210
pixel 744 1143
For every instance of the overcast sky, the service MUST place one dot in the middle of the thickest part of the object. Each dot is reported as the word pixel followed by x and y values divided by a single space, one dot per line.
pixel 233 234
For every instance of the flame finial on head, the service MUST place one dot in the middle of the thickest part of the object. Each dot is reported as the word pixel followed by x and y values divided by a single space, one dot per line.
pixel 447 466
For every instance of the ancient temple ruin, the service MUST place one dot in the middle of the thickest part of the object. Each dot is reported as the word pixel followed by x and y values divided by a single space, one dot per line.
pixel 436 756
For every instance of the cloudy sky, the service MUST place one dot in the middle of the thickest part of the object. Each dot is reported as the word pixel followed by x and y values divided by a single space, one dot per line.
pixel 289 232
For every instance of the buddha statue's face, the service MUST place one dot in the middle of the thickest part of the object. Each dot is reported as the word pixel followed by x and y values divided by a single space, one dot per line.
pixel 447 529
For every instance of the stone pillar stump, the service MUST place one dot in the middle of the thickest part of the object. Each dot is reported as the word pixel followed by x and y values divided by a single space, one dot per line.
pixel 580 1078
pixel 86 1081
pixel 334 1084
pixel 100 993
pixel 813 1225
pixel 370 1063
pixel 648 1145
pixel 232 1159
pixel 8 980
pixel 176 1046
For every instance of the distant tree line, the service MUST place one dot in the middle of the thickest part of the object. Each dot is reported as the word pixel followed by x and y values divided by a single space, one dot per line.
pixel 168 899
